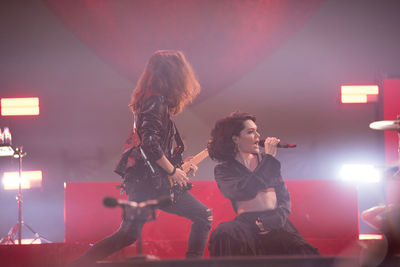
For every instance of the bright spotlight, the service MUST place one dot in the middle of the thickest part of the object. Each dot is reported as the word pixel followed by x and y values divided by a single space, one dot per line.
pixel 29 179
pixel 360 173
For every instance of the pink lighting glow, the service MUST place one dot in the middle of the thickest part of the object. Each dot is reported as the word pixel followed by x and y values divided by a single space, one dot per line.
pixel 20 106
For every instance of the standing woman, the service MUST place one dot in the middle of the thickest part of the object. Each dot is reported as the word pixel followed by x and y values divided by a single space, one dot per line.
pixel 252 181
pixel 167 84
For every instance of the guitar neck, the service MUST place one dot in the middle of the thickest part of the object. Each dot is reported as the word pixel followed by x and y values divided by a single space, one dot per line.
pixel 195 160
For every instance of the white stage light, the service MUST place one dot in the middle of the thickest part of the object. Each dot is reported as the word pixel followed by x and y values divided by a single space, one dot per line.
pixel 360 173
pixel 29 179
pixel 370 237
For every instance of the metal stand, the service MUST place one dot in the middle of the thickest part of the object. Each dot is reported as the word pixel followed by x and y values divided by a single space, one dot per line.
pixel 17 228
pixel 140 256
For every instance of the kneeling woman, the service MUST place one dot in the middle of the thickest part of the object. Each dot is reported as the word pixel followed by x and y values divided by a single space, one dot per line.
pixel 252 181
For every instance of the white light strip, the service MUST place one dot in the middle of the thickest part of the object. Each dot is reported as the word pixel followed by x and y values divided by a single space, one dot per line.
pixel 360 89
pixel 370 237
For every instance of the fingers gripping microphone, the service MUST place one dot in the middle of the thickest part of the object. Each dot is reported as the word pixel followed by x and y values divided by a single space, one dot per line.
pixel 280 144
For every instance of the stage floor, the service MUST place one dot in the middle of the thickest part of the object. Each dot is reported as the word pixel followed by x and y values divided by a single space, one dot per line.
pixel 59 254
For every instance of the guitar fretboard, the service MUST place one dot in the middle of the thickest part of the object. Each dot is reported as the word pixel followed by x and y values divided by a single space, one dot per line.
pixel 199 157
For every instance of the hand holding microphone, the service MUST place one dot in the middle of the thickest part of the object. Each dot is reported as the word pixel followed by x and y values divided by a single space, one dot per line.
pixel 280 144
pixel 271 145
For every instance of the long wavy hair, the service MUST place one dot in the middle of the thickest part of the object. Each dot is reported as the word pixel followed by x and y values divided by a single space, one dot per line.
pixel 167 73
pixel 221 146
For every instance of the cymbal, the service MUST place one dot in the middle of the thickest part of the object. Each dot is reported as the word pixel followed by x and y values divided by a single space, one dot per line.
pixel 385 125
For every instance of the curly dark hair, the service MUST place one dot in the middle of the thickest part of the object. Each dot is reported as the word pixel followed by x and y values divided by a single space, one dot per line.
pixel 221 146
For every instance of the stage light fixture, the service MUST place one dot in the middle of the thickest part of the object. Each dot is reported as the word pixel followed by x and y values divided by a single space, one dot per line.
pixel 20 106
pixel 6 151
pixel 29 179
pixel 360 173
pixel 359 93
pixel 370 237
pixel 354 99
pixel 29 241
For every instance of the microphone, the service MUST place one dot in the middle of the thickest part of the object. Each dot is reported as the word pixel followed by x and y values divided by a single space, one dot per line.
pixel 152 203
pixel 280 144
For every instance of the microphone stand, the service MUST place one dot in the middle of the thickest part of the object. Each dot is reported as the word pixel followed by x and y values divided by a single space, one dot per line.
pixel 17 228
pixel 138 214
pixel 141 221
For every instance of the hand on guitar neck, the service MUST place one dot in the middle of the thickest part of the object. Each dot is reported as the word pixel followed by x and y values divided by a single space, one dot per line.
pixel 190 164
pixel 190 170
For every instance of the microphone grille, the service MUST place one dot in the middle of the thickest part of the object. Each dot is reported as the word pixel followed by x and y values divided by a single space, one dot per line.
pixel 110 202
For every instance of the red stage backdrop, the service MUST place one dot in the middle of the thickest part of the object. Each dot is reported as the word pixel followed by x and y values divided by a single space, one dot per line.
pixel 391 91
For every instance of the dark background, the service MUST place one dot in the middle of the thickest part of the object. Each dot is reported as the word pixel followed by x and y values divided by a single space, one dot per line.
pixel 283 61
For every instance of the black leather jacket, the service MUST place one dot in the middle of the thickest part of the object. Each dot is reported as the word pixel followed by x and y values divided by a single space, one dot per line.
pixel 155 127
pixel 155 131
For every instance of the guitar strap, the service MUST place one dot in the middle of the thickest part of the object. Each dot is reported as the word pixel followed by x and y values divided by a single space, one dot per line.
pixel 178 140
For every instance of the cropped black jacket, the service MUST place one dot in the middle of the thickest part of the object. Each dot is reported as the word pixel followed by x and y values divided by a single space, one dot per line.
pixel 238 183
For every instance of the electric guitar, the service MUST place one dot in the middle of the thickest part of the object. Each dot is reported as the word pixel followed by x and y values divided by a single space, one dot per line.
pixel 185 166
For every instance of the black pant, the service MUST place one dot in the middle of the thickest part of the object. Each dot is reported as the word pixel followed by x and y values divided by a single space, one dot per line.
pixel 186 206
pixel 243 237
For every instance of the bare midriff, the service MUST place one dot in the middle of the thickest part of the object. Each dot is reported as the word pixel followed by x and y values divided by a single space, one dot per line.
pixel 264 200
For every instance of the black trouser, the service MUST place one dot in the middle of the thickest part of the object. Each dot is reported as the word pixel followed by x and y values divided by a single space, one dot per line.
pixel 243 237
pixel 186 206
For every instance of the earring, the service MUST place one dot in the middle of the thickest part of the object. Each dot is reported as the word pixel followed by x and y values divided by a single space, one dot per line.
pixel 236 149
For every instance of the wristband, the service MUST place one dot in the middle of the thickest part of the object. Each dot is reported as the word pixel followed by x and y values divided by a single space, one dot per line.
pixel 173 172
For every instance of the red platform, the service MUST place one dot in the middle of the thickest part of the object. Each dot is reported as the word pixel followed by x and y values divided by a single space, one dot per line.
pixel 324 211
